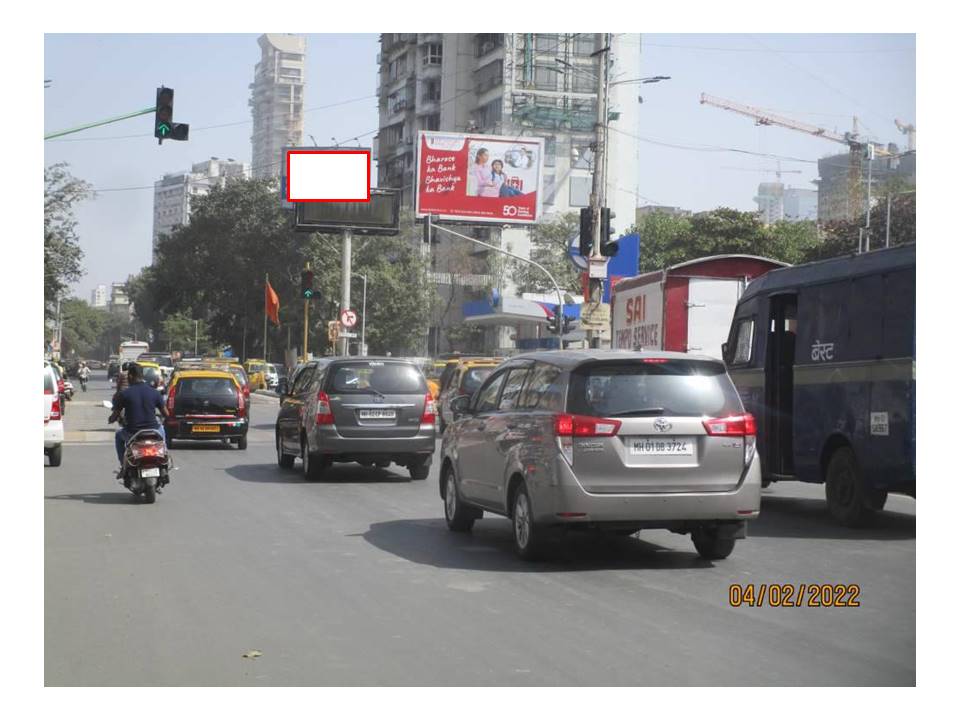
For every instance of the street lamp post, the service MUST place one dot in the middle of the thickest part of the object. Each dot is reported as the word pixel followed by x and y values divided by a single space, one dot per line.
pixel 196 335
pixel 363 316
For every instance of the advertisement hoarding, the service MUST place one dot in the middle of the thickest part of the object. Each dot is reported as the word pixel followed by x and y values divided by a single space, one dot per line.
pixel 380 216
pixel 479 178
pixel 638 318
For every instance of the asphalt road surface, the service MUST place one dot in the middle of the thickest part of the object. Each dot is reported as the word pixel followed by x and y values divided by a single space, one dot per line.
pixel 356 581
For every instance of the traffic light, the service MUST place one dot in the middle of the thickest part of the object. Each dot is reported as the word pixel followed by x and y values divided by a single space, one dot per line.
pixel 608 246
pixel 586 231
pixel 164 128
pixel 306 285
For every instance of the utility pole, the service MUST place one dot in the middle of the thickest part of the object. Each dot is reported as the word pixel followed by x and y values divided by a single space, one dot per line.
pixel 196 336
pixel 345 264
pixel 306 318
pixel 266 281
pixel 869 189
pixel 597 193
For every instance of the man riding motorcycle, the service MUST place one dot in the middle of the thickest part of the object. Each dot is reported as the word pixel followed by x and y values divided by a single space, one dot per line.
pixel 84 374
pixel 138 404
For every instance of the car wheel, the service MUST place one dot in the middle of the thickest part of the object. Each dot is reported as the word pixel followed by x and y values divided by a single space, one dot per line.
pixel 710 545
pixel 459 516
pixel 242 443
pixel 419 470
pixel 56 455
pixel 313 463
pixel 528 536
pixel 849 501
pixel 283 460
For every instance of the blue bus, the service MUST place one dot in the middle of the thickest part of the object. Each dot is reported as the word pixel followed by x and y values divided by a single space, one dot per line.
pixel 824 357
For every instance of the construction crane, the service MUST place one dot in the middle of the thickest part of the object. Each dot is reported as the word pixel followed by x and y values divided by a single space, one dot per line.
pixel 858 147
pixel 910 130
pixel 778 172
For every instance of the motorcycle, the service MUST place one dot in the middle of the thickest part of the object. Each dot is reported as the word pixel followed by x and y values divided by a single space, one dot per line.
pixel 146 464
pixel 83 383
pixel 68 389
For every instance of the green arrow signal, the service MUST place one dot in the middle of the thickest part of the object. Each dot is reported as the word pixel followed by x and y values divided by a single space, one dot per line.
pixel 163 128
pixel 308 293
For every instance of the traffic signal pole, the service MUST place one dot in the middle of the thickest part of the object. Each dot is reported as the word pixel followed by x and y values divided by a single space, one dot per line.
pixel 60 133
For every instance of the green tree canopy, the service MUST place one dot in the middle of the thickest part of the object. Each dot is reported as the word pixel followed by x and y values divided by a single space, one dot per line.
pixel 62 255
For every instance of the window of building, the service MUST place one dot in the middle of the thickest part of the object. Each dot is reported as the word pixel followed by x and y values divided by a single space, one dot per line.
pixel 432 54
pixel 488 42
pixel 431 90
pixel 584 43
pixel 545 77
pixel 546 42
pixel 290 73
pixel 579 191
pixel 296 57
pixel 431 122
pixel 582 79
pixel 487 115
pixel 489 76
pixel 548 188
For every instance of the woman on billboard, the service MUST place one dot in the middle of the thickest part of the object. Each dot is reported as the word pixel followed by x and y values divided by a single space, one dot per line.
pixel 481 183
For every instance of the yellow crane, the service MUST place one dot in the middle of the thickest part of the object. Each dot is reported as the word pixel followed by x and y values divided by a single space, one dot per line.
pixel 858 147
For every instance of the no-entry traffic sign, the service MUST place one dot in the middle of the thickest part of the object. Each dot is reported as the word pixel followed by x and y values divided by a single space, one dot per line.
pixel 348 318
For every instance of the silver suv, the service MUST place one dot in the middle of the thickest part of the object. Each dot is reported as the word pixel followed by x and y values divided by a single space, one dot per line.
pixel 616 440
pixel 373 411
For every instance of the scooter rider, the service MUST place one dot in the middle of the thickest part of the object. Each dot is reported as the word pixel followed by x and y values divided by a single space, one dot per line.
pixel 139 404
pixel 84 374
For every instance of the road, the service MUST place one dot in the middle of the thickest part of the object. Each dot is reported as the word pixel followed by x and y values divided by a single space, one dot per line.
pixel 356 581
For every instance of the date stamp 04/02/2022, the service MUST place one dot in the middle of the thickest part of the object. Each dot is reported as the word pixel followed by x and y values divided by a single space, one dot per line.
pixel 834 595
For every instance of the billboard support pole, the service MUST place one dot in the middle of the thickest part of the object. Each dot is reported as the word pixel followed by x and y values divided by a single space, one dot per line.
pixel 306 317
pixel 598 192
pixel 523 259
pixel 345 268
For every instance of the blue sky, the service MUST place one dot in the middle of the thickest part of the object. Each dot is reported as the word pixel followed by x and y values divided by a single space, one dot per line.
pixel 822 79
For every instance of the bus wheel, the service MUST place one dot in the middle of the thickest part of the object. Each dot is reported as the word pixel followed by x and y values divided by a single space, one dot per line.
pixel 849 501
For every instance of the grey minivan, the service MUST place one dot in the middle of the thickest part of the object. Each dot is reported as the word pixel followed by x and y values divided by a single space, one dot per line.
pixel 369 410
pixel 616 440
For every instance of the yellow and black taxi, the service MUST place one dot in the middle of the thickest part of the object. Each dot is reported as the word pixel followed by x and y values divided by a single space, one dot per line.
pixel 206 404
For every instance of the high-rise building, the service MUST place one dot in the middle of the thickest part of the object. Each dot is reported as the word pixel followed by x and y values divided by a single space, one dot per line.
pixel 173 193
pixel 99 296
pixel 119 302
pixel 276 101
pixel 515 84
pixel 769 201
pixel 799 204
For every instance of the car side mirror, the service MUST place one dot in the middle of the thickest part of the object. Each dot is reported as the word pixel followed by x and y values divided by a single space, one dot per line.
pixel 723 350
pixel 460 406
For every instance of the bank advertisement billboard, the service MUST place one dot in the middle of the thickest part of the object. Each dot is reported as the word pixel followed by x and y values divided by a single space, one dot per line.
pixel 479 178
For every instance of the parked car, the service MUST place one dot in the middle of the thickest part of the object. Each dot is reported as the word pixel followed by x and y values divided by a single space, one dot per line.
pixel 373 411
pixel 462 377
pixel 163 360
pixel 256 371
pixel 52 417
pixel 206 405
pixel 60 384
pixel 615 440
pixel 273 377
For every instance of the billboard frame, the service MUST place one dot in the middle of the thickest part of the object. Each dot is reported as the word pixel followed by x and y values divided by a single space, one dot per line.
pixel 472 220
pixel 333 227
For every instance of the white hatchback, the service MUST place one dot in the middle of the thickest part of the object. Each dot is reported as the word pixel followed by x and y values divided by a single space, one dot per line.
pixel 52 418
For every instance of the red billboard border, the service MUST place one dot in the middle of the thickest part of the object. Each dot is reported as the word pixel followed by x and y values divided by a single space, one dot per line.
pixel 329 152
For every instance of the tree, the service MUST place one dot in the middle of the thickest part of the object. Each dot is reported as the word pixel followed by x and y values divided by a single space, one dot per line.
pixel 549 240
pixel 83 326
pixel 183 333
pixel 842 237
pixel 667 240
pixel 213 269
pixel 62 255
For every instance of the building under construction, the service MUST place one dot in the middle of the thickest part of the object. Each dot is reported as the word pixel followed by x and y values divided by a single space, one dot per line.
pixel 834 199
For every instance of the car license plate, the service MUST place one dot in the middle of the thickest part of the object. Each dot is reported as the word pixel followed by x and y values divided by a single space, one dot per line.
pixel 378 414
pixel 150 472
pixel 662 446
pixel 206 428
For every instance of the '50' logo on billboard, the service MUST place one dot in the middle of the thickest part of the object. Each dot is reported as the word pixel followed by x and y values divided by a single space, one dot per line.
pixel 510 210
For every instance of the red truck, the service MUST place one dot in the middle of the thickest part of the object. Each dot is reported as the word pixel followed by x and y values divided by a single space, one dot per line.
pixel 686 307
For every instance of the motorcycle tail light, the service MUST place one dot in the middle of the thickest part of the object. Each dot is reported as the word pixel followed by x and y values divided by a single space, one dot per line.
pixel 148 450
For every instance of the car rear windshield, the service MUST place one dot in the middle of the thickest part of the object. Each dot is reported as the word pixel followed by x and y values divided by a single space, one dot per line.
pixel 374 376
pixel 473 379
pixel 158 358
pixel 206 387
pixel 640 388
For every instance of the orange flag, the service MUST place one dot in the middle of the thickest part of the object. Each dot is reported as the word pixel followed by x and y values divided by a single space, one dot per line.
pixel 272 304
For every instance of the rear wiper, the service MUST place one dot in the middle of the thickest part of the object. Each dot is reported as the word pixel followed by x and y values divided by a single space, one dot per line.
pixel 638 411
pixel 374 390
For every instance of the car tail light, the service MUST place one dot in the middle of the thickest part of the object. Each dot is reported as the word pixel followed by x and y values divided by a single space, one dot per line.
pixel 736 426
pixel 585 426
pixel 61 386
pixel 241 405
pixel 566 427
pixel 171 395
pixel 55 408
pixel 731 426
pixel 324 413
pixel 429 416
